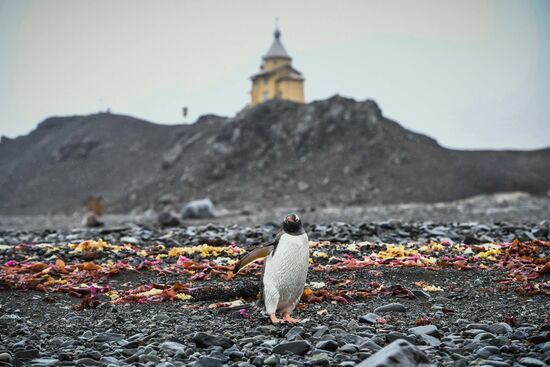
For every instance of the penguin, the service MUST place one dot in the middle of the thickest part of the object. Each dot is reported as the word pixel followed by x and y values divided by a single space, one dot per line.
pixel 285 269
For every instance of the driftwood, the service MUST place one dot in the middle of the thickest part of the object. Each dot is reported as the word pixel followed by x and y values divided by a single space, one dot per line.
pixel 247 290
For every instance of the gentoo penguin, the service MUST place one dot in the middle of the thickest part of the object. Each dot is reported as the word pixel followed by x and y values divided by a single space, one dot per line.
pixel 285 269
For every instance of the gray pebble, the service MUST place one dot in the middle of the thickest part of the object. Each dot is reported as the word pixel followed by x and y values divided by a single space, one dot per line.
pixel 329 345
pixel 426 329
pixel 430 340
pixel 45 361
pixel 105 323
pixel 299 347
pixel 145 358
pixel 27 354
pixel 395 335
pixel 487 351
pixel 272 360
pixel 391 307
pixel 161 317
pixel 108 337
pixel 295 332
pixel 532 362
pixel 130 240
pixel 369 345
pixel 5 357
pixel 484 336
pixel 208 362
pixel 88 362
pixel 478 326
pixel 348 348
pixel 203 340
pixel 320 331
pixel 369 318
pixel 171 347
pixel 473 332
pixel 496 363
pixel 501 328
pixel 319 359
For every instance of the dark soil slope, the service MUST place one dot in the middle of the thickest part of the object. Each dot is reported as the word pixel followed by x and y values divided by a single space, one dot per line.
pixel 332 152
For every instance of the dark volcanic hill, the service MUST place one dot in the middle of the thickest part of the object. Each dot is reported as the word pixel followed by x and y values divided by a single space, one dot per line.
pixel 332 152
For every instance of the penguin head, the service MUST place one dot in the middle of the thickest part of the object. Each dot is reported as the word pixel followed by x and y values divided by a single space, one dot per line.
pixel 292 224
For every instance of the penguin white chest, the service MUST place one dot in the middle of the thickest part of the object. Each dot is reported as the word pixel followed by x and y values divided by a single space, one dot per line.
pixel 285 273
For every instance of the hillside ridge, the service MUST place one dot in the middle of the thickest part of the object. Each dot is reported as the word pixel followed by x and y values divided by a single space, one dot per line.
pixel 336 151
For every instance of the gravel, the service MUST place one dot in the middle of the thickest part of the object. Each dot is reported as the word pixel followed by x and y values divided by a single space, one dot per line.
pixel 469 321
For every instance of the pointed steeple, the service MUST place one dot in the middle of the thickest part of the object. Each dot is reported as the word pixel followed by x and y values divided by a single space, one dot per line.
pixel 277 50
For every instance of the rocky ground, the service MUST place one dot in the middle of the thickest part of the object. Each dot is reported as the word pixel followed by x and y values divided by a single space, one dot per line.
pixel 510 207
pixel 460 293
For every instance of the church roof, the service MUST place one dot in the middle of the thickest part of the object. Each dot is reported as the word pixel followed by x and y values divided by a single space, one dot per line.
pixel 292 74
pixel 277 50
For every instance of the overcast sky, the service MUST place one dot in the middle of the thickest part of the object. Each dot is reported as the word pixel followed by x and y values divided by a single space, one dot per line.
pixel 472 74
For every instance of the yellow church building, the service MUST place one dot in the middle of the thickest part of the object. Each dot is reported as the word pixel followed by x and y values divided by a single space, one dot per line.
pixel 277 78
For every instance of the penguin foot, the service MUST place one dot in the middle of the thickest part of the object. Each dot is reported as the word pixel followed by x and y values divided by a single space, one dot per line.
pixel 291 320
pixel 274 319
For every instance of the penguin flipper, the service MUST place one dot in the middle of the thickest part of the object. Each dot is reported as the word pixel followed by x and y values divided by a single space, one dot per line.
pixel 254 255
pixel 258 253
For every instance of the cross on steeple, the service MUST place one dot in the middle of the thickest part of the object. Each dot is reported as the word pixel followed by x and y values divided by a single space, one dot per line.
pixel 277 33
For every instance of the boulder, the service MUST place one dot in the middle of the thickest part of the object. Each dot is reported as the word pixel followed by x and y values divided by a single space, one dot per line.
pixel 399 353
pixel 298 347
pixel 168 219
pixel 203 340
pixel 198 209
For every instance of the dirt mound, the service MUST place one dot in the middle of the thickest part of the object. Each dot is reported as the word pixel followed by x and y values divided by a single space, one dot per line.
pixel 332 152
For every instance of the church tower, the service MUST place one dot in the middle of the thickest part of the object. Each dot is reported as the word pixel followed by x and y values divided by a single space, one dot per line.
pixel 277 78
